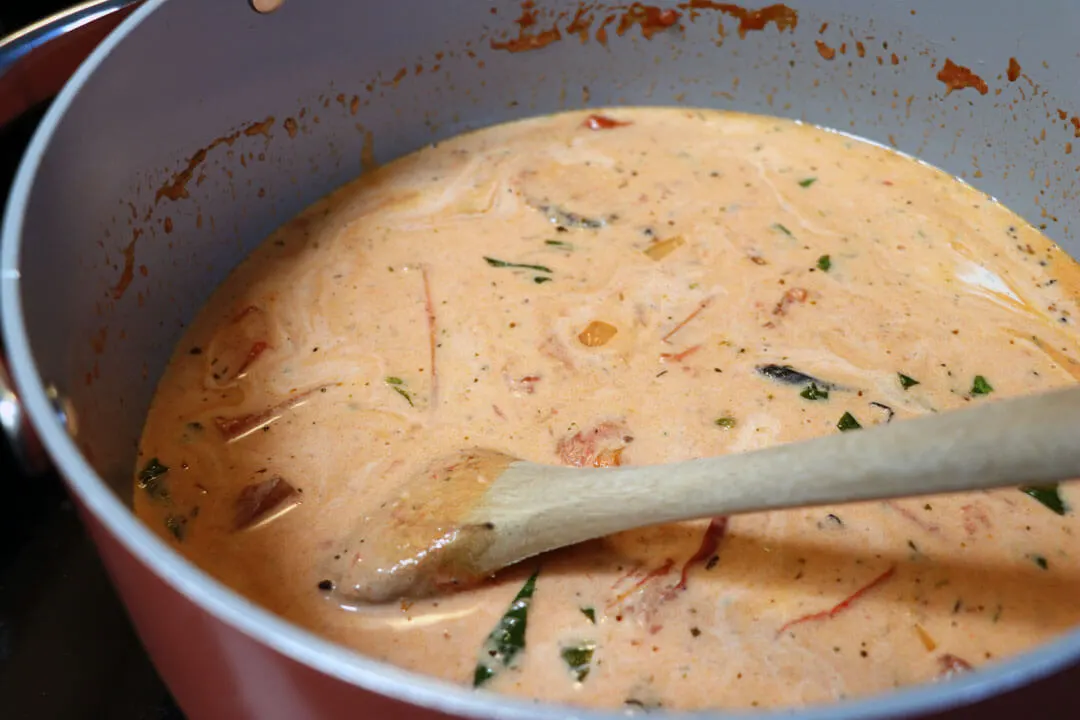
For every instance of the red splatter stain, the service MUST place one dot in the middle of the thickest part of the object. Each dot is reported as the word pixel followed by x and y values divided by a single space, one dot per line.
pixel 526 39
pixel 97 340
pixel 128 273
pixel 176 188
pixel 783 17
pixel 1013 73
pixel 580 25
pixel 958 77
pixel 650 19
pixel 824 50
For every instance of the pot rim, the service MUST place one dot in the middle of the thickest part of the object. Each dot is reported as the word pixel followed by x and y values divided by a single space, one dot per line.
pixel 322 655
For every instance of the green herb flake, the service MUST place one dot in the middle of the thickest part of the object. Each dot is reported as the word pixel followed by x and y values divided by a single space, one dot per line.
pixel 396 384
pixel 177 526
pixel 1048 495
pixel 726 422
pixel 541 279
pixel 504 264
pixel 589 613
pixel 578 659
pixel 848 422
pixel 152 480
pixel 807 182
pixel 813 392
pixel 508 637
pixel 781 228
pixel 559 243
pixel 906 381
pixel 824 263
pixel 980 386
pixel 1041 562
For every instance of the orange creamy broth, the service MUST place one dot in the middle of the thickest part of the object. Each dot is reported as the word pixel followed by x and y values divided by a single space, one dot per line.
pixel 566 289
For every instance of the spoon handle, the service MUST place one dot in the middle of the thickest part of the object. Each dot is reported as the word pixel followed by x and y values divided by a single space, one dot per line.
pixel 1029 440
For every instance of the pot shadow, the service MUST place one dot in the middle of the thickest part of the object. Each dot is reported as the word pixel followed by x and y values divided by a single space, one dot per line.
pixel 1017 593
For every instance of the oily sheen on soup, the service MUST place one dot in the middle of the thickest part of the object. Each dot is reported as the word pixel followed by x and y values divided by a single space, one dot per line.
pixel 631 286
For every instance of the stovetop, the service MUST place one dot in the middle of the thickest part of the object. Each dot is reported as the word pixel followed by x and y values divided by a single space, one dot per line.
pixel 67 649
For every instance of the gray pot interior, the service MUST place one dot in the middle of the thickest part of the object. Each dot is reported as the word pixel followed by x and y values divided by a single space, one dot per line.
pixel 335 76
pixel 201 70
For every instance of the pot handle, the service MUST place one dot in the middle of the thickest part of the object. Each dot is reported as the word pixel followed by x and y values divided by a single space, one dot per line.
pixel 35 62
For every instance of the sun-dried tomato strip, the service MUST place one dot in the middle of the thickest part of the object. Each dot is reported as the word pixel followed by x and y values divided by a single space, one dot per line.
pixel 710 541
pixel 602 122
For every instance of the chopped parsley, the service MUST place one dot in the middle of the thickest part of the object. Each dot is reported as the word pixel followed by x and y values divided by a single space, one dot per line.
pixel 152 480
pixel 578 659
pixel 508 637
pixel 726 422
pixel 1048 495
pixel 396 384
pixel 813 392
pixel 824 263
pixel 781 228
pixel 1041 562
pixel 807 182
pixel 848 422
pixel 906 381
pixel 524 266
pixel 560 243
pixel 590 613
pixel 980 386
pixel 541 279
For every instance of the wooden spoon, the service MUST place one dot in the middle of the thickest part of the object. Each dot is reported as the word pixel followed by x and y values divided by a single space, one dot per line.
pixel 471 515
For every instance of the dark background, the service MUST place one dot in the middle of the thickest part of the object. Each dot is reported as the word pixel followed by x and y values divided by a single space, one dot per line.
pixel 67 650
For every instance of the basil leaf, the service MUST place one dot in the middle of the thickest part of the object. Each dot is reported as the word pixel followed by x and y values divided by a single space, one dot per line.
pixel 980 386
pixel 1048 495
pixel 579 658
pixel 493 262
pixel 813 392
pixel 152 480
pixel 508 637
pixel 848 422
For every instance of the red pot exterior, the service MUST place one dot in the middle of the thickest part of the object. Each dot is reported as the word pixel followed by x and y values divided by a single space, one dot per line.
pixel 216 671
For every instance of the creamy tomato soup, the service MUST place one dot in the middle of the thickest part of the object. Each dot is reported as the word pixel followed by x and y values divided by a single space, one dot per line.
pixel 637 286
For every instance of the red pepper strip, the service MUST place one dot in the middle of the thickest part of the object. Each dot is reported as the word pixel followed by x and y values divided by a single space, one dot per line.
pixel 601 122
pixel 847 603
pixel 651 575
pixel 679 357
pixel 704 304
pixel 710 541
